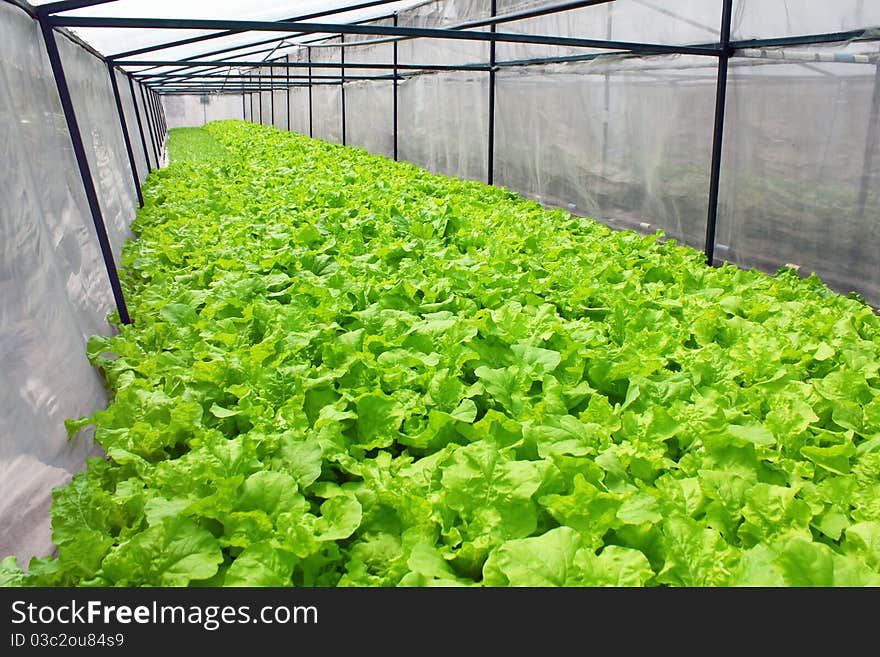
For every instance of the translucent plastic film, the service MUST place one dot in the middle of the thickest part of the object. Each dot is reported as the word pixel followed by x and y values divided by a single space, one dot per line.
pixel 327 94
pixel 626 141
pixel 92 94
pixel 152 150
pixel 443 14
pixel 370 123
pixel 801 168
pixel 189 111
pixel 760 19
pixel 132 126
pixel 443 124
pixel 675 22
pixel 53 285
pixel 280 98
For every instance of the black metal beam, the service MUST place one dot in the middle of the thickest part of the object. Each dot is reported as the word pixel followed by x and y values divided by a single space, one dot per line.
pixel 718 134
pixel 287 71
pixel 243 109
pixel 67 5
pixel 494 19
pixel 490 162
pixel 260 93
pixel 256 64
pixel 84 170
pixel 160 114
pixel 203 91
pixel 175 78
pixel 802 40
pixel 394 107
pixel 137 115
pixel 342 85
pixel 311 109
pixel 124 125
pixel 207 37
pixel 150 125
pixel 336 28
pixel 229 49
pixel 160 133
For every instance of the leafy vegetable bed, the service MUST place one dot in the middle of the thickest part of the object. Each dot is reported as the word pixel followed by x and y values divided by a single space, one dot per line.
pixel 347 371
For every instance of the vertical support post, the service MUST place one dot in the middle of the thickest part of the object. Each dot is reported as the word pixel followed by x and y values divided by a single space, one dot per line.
pixel 84 171
pixel 311 110
pixel 160 135
pixel 871 141
pixel 260 92
pixel 718 137
pixel 287 85
pixel 162 112
pixel 160 120
pixel 272 94
pixel 137 115
pixel 251 97
pixel 490 176
pixel 394 102
pixel 123 124
pixel 160 115
pixel 342 81
pixel 149 124
pixel 243 108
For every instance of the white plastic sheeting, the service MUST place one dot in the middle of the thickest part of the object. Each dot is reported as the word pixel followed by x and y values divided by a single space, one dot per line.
pixel 800 178
pixel 759 19
pixel 181 112
pixel 53 284
pixel 92 95
pixel 627 141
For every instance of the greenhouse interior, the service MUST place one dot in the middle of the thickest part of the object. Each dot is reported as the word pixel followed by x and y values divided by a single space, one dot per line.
pixel 440 293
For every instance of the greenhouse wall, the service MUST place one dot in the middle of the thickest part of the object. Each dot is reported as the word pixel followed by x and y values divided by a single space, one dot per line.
pixel 54 284
pixel 628 140
pixel 185 111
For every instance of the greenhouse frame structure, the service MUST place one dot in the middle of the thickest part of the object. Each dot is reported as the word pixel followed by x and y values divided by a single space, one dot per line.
pixel 277 64
pixel 184 80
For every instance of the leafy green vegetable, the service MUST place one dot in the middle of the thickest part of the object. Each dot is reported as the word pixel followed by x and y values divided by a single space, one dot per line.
pixel 347 371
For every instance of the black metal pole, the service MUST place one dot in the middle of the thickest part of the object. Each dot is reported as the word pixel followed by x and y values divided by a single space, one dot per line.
pixel 260 92
pixel 272 96
pixel 394 102
pixel 251 99
pixel 84 171
pixel 311 110
pixel 160 133
pixel 162 113
pixel 160 119
pixel 490 165
pixel 287 71
pixel 871 140
pixel 718 136
pixel 123 124
pixel 156 122
pixel 243 109
pixel 342 81
pixel 150 125
pixel 137 115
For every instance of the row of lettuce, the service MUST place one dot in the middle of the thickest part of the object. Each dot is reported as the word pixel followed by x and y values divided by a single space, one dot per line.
pixel 348 371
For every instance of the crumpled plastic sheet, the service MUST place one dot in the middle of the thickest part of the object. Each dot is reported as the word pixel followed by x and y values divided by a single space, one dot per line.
pixel 54 291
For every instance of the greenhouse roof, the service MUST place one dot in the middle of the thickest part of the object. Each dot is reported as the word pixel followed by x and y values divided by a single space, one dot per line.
pixel 124 41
